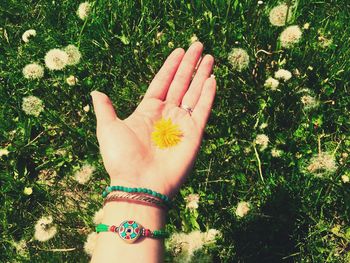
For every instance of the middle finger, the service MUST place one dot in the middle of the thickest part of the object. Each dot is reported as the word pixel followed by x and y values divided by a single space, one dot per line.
pixel 184 73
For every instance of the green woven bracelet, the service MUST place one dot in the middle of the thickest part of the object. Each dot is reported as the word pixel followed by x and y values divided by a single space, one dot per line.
pixel 137 190
pixel 130 231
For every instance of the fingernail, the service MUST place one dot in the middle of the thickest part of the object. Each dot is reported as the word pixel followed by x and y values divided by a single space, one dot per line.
pixel 212 76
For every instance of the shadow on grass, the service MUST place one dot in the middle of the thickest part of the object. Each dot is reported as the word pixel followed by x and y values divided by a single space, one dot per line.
pixel 267 237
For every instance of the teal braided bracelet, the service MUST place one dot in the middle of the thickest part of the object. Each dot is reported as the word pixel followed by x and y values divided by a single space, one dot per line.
pixel 130 231
pixel 137 190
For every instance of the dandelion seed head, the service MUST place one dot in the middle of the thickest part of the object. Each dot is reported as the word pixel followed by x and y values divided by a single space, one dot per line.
pixel 196 241
pixel 262 140
pixel 278 15
pixel 271 83
pixel 321 164
pixel 211 235
pixel 242 209
pixel 44 229
pixel 98 216
pixel 84 10
pixel 179 244
pixel 33 71
pixel 73 53
pixel 184 245
pixel 83 175
pixel 166 134
pixel 32 105
pixel 290 36
pixel 192 201
pixel 56 59
pixel 309 102
pixel 27 34
pixel 90 243
pixel 239 59
pixel 283 74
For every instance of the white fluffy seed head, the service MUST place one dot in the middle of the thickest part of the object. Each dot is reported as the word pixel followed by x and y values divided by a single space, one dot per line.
pixel 283 74
pixel 321 164
pixel 262 140
pixel 83 175
pixel 84 10
pixel 278 15
pixel 32 105
pixel 73 53
pixel 33 71
pixel 290 36
pixel 184 245
pixel 271 83
pixel 242 209
pixel 27 34
pixel 309 102
pixel 44 230
pixel 90 243
pixel 239 59
pixel 192 201
pixel 56 59
pixel 98 216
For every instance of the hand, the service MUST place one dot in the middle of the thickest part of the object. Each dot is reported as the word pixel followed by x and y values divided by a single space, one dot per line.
pixel 128 152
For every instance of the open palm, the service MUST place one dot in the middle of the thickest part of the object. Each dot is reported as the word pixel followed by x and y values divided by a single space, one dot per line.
pixel 129 155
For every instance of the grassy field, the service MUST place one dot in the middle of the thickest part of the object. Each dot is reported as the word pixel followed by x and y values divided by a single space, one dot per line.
pixel 281 149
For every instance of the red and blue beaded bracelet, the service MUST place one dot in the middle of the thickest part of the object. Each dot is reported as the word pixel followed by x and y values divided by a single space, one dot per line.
pixel 130 231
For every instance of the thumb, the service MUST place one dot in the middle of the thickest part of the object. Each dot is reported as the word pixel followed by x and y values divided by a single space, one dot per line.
pixel 103 107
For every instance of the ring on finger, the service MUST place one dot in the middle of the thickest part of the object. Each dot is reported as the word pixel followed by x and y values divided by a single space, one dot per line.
pixel 187 108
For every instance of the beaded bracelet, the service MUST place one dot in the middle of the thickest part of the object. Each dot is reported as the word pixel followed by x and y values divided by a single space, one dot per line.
pixel 116 196
pixel 130 231
pixel 137 190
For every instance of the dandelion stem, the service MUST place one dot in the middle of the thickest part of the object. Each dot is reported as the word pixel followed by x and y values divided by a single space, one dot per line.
pixel 336 148
pixel 259 162
pixel 319 143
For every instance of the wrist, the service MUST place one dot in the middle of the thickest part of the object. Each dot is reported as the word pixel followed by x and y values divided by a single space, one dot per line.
pixel 148 216
pixel 111 248
pixel 140 184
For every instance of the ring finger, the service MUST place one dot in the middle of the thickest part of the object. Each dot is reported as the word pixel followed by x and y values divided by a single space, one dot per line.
pixel 192 95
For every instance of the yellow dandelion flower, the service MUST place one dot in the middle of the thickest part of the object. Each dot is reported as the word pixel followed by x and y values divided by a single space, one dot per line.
pixel 166 133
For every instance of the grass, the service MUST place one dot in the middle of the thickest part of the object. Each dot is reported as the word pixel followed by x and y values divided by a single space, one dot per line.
pixel 295 216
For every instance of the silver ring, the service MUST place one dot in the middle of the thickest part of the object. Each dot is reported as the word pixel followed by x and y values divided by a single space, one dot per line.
pixel 187 108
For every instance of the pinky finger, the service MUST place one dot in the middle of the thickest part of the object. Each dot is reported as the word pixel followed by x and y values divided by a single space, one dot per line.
pixel 203 107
